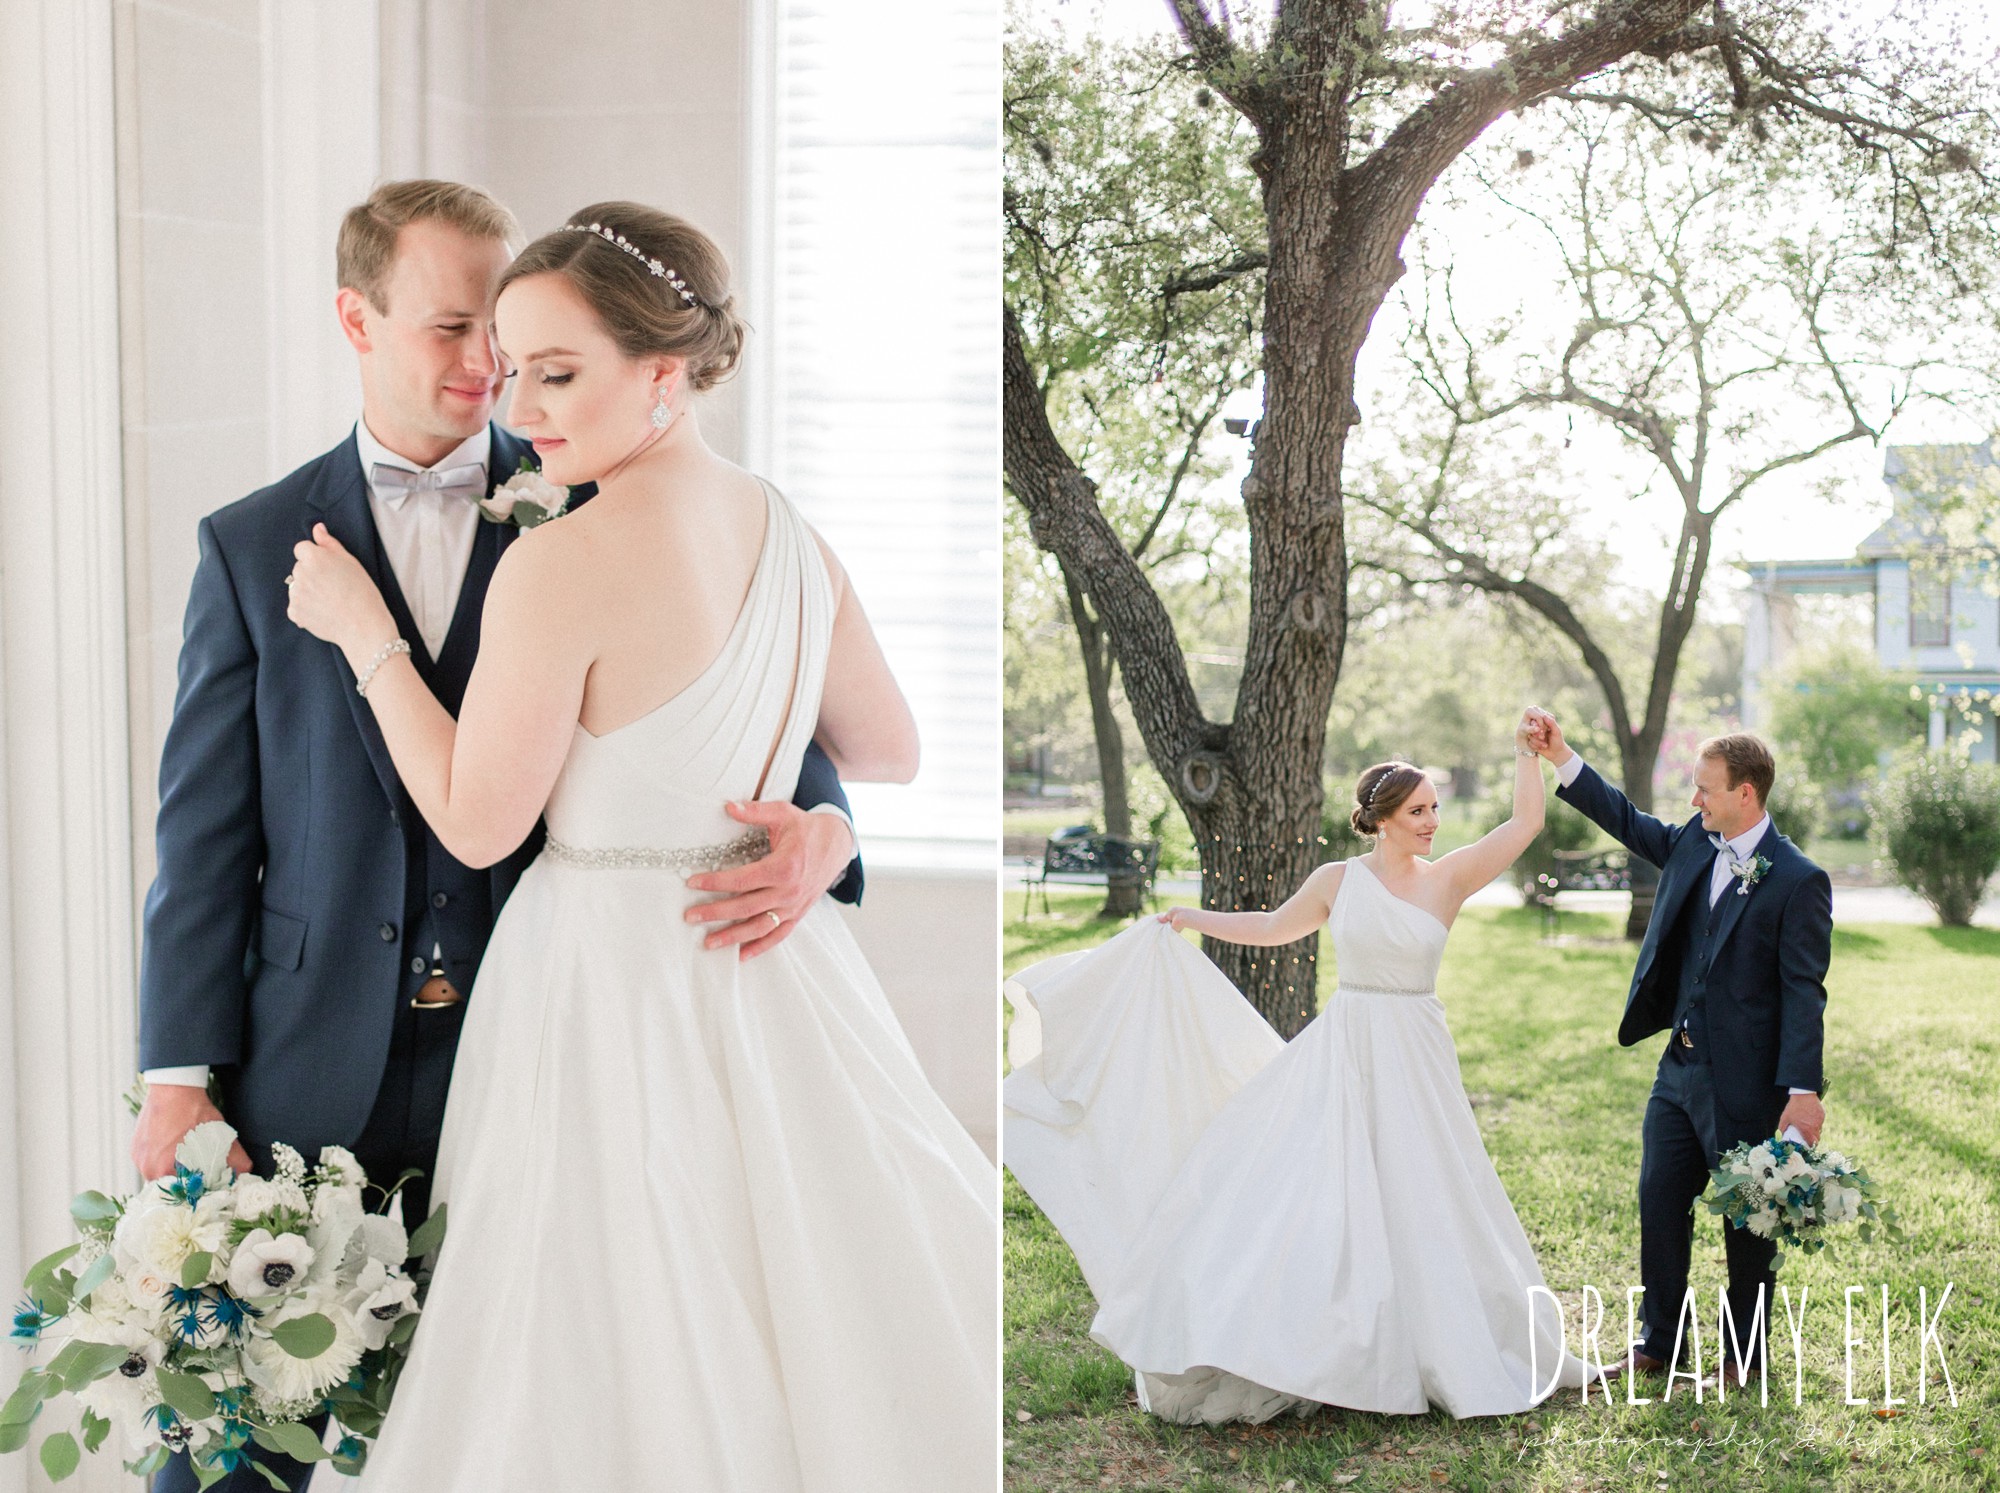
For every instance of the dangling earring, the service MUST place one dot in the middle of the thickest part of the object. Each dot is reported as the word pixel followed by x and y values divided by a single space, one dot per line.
pixel 662 416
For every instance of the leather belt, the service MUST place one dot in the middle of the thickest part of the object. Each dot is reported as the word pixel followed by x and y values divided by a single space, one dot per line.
pixel 436 994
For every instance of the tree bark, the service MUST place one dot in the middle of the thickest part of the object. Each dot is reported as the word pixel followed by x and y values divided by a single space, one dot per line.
pixel 1123 893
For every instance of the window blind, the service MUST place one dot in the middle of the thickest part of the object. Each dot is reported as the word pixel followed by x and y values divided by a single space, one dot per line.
pixel 880 243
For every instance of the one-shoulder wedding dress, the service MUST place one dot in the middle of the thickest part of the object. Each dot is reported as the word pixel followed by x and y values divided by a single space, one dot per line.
pixel 1271 1226
pixel 710 1228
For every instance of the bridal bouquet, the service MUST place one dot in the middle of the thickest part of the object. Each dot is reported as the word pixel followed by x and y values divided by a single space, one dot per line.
pixel 1780 1189
pixel 208 1311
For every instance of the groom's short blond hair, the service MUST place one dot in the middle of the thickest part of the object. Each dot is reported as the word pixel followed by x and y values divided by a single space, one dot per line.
pixel 1747 760
pixel 367 246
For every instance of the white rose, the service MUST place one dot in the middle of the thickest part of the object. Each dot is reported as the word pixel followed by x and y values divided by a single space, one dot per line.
pixel 1763 1224
pixel 267 1264
pixel 386 1240
pixel 255 1197
pixel 206 1150
pixel 534 488
pixel 158 1233
pixel 1796 1168
pixel 338 1166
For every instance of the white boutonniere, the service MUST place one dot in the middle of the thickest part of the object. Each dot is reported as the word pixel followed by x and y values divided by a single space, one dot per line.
pixel 525 499
pixel 1748 873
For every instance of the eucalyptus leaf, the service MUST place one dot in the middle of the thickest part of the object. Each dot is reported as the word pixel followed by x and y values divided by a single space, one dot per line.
pixel 185 1394
pixel 60 1454
pixel 95 1429
pixel 304 1337
pixel 292 1440
pixel 207 1474
pixel 25 1403
pixel 149 1464
pixel 99 1272
pixel 430 1233
pixel 403 1331
pixel 44 1269
pixel 14 1437
pixel 271 1477
pixel 92 1363
pixel 195 1271
pixel 93 1207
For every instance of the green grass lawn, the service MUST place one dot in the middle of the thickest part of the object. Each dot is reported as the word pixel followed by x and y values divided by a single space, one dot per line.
pixel 1913 1063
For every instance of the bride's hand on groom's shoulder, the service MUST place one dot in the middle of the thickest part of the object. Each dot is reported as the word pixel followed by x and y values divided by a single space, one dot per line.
pixel 334 598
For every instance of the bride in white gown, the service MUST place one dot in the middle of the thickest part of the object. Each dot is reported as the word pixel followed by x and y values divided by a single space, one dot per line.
pixel 1272 1226
pixel 709 1226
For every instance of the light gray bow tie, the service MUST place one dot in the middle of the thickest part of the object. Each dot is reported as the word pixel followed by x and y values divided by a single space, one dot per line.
pixel 1736 862
pixel 395 484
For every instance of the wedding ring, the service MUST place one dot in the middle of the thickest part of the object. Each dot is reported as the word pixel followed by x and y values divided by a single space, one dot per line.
pixel 776 921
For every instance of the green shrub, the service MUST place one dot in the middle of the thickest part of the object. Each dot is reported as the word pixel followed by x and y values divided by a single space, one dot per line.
pixel 1937 823
pixel 1563 828
pixel 1797 805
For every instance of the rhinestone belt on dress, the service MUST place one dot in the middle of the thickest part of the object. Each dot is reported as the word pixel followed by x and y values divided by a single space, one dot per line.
pixel 749 846
pixel 1384 989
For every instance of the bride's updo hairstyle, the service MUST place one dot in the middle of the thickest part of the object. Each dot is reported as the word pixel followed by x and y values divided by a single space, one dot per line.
pixel 1378 793
pixel 684 311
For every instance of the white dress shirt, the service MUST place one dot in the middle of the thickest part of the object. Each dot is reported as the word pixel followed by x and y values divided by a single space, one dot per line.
pixel 1739 845
pixel 427 536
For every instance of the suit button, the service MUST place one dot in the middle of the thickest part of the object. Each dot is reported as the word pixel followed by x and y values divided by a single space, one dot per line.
pixel 388 932
pixel 417 965
pixel 438 899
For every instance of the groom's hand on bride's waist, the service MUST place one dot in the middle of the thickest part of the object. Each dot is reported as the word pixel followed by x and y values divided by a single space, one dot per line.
pixel 171 1110
pixel 763 901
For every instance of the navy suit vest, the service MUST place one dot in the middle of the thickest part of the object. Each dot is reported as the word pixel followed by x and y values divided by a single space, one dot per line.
pixel 447 906
pixel 1694 932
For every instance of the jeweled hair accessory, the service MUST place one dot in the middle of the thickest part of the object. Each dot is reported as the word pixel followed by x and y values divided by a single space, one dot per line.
pixel 653 266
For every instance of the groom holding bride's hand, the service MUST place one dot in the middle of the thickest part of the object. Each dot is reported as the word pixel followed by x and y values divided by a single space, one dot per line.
pixel 1733 968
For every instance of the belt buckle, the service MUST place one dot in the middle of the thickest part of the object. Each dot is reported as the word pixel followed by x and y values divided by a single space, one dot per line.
pixel 1686 1040
pixel 445 994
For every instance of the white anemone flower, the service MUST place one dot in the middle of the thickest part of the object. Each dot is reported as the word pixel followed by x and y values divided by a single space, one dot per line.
pixel 124 1395
pixel 379 1301
pixel 269 1265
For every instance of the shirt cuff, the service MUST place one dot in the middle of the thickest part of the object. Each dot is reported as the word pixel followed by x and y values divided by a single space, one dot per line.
pixel 1567 771
pixel 194 1077
pixel 854 837
pixel 1801 1091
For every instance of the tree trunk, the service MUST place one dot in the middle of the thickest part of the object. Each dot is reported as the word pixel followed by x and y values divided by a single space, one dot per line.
pixel 1124 894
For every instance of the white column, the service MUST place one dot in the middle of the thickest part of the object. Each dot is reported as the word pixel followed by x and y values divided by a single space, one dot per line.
pixel 66 945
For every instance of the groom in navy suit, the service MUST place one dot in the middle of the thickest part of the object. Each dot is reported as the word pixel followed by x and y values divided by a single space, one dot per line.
pixel 1733 969
pixel 308 941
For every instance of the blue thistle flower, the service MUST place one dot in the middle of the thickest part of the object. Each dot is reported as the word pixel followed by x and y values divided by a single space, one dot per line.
pixel 186 1186
pixel 30 1322
pixel 231 1314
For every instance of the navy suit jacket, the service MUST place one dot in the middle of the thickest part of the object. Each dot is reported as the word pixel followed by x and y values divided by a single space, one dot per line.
pixel 273 948
pixel 1766 995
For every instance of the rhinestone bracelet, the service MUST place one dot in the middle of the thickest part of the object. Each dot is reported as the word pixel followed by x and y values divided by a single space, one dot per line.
pixel 367 674
pixel 750 846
